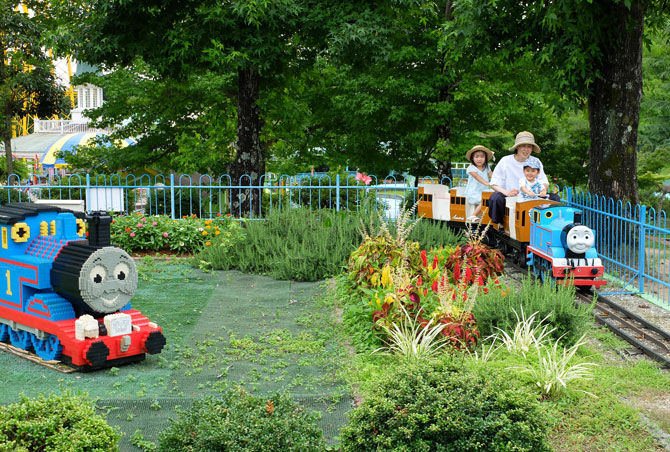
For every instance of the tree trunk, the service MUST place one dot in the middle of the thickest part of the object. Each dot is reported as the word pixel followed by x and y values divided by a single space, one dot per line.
pixel 249 164
pixel 7 140
pixel 614 109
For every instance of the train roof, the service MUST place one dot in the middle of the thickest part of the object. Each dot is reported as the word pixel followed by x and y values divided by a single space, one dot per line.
pixel 14 212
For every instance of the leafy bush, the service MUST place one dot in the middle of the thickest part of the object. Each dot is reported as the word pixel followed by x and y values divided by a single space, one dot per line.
pixel 187 202
pixel 55 423
pixel 241 422
pixel 441 406
pixel 137 232
pixel 12 195
pixel 498 308
pixel 294 244
pixel 74 187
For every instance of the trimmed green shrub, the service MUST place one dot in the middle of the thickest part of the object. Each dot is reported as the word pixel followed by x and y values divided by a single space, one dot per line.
pixel 439 406
pixel 496 308
pixel 55 423
pixel 241 422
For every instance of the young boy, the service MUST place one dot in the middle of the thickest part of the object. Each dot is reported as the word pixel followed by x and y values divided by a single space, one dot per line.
pixel 529 186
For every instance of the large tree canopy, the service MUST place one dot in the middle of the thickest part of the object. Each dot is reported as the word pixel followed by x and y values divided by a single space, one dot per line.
pixel 260 43
pixel 594 52
pixel 27 82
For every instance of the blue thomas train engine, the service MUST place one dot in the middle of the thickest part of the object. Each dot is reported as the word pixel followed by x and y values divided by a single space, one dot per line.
pixel 562 247
pixel 68 297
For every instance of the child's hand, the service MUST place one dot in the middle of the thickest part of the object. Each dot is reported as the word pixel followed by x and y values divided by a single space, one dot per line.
pixel 543 193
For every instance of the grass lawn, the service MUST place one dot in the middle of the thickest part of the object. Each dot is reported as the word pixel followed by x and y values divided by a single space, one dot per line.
pixel 229 328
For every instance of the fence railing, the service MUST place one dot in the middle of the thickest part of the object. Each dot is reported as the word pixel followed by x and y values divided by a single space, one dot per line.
pixel 62 126
pixel 632 240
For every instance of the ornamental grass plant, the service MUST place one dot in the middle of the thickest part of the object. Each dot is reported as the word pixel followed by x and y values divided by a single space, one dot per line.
pixel 556 304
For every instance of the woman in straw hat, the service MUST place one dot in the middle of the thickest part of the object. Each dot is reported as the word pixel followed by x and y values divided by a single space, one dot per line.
pixel 506 175
pixel 479 174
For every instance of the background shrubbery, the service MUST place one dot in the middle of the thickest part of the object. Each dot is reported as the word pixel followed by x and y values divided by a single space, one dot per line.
pixel 239 422
pixel 300 244
pixel 55 423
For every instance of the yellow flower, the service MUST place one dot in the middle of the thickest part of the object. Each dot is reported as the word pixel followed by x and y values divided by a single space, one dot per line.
pixel 208 222
pixel 208 243
pixel 204 232
pixel 208 227
pixel 217 232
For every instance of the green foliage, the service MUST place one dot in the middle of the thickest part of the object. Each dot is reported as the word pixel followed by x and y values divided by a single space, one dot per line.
pixel 297 244
pixel 654 130
pixel 21 168
pixel 12 195
pixel 369 259
pixel 353 195
pixel 137 232
pixel 239 422
pixel 442 406
pixel 498 308
pixel 63 422
pixel 28 84
pixel 74 187
pixel 186 202
pixel 434 234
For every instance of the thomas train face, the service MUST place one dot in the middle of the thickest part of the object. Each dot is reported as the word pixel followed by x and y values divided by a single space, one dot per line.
pixel 579 239
pixel 108 279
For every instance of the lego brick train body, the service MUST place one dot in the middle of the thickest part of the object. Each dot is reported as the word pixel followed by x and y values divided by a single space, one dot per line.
pixel 544 235
pixel 65 296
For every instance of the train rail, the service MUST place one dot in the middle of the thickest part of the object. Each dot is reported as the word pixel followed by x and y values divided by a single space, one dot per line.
pixel 634 329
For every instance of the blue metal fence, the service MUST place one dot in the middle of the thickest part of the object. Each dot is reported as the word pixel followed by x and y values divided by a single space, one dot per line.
pixel 633 240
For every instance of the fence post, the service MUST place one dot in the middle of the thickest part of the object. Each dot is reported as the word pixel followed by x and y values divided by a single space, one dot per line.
pixel 87 193
pixel 641 248
pixel 172 195
pixel 337 192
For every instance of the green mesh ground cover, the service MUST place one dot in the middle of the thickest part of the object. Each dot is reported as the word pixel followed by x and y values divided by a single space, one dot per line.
pixel 222 329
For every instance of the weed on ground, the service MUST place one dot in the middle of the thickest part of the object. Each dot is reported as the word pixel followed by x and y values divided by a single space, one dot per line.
pixel 223 329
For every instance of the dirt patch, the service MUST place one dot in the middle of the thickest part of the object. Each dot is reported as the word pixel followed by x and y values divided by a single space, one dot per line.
pixel 654 407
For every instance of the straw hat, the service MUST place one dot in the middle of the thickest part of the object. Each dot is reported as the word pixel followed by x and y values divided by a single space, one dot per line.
pixel 479 147
pixel 525 138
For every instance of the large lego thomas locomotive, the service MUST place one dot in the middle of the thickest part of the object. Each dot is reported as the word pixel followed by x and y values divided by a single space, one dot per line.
pixel 545 235
pixel 65 296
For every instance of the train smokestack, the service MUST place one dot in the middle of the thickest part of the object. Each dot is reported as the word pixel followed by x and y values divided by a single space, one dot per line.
pixel 99 229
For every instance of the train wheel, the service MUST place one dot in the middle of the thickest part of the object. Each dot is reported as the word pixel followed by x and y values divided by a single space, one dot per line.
pixel 4 332
pixel 49 348
pixel 21 339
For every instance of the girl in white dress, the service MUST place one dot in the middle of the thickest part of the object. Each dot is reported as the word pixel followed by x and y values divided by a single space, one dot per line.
pixel 478 178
